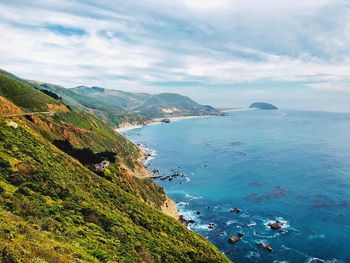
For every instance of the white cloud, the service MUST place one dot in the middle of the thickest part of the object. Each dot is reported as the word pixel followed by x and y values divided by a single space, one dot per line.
pixel 331 86
pixel 207 4
pixel 134 45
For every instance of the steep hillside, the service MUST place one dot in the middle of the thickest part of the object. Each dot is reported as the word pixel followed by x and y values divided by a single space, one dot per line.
pixel 112 113
pixel 52 208
pixel 170 105
pixel 21 94
pixel 148 105
pixel 8 108
pixel 58 205
pixel 116 106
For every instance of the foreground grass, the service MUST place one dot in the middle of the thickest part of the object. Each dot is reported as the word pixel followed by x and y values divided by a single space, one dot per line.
pixel 53 209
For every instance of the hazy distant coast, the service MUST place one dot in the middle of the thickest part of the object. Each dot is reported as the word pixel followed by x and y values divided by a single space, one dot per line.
pixel 129 126
pixel 238 109
pixel 156 121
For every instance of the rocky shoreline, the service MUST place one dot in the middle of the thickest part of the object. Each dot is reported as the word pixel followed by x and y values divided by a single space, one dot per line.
pixel 171 209
pixel 169 206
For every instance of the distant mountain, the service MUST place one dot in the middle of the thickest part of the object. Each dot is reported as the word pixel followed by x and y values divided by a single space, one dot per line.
pixel 148 105
pixel 263 106
pixel 116 106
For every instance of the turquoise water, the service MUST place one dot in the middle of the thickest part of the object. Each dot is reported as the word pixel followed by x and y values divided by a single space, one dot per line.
pixel 272 165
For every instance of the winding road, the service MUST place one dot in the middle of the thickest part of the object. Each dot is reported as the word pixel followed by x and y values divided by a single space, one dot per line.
pixel 51 113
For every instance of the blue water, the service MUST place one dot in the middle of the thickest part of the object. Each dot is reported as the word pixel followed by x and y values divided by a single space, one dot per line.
pixel 290 166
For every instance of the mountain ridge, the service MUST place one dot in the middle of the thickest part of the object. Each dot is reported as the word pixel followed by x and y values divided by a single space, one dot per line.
pixel 150 105
pixel 117 107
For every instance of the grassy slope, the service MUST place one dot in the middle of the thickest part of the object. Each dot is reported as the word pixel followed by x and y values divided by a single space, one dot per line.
pixel 22 95
pixel 54 209
pixel 153 106
pixel 109 112
pixel 8 108
pixel 52 193
pixel 83 130
pixel 148 105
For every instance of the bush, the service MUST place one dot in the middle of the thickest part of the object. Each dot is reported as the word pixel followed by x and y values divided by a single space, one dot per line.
pixel 85 155
pixel 4 164
pixel 51 94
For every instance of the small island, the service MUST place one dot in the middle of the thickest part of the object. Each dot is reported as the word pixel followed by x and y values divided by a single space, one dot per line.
pixel 263 106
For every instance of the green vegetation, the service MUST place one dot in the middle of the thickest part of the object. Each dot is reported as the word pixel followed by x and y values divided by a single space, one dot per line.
pixel 83 211
pixel 148 105
pixel 22 94
pixel 116 106
pixel 110 113
pixel 55 209
pixel 84 130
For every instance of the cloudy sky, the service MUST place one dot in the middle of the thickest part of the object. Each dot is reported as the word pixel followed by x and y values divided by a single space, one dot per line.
pixel 293 53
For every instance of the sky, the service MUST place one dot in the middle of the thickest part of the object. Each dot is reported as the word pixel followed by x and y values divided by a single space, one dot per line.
pixel 228 53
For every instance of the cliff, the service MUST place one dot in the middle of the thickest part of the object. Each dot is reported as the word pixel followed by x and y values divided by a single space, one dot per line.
pixel 56 206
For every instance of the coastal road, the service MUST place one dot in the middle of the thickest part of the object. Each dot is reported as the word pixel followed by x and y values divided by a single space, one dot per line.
pixel 51 113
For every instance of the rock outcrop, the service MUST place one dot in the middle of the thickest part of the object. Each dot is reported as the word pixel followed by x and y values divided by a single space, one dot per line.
pixel 276 225
pixel 233 239
pixel 266 246
pixel 169 208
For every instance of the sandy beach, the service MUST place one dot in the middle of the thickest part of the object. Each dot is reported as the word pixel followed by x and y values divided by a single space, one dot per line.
pixel 238 109
pixel 128 126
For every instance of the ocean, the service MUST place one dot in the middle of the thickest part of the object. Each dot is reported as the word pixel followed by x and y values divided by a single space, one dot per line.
pixel 290 166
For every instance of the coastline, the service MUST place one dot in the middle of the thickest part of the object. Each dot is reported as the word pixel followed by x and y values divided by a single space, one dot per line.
pixel 156 121
pixel 169 206
pixel 238 109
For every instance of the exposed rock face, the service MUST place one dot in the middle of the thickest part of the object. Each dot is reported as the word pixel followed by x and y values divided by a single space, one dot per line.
pixel 211 226
pixel 165 120
pixel 276 225
pixel 236 238
pixel 169 208
pixel 233 239
pixel 186 221
pixel 240 234
pixel 235 210
pixel 8 108
pixel 266 246
pixel 101 166
pixel 263 106
pixel 12 124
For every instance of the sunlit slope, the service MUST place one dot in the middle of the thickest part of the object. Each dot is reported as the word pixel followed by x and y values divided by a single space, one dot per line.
pixel 54 205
